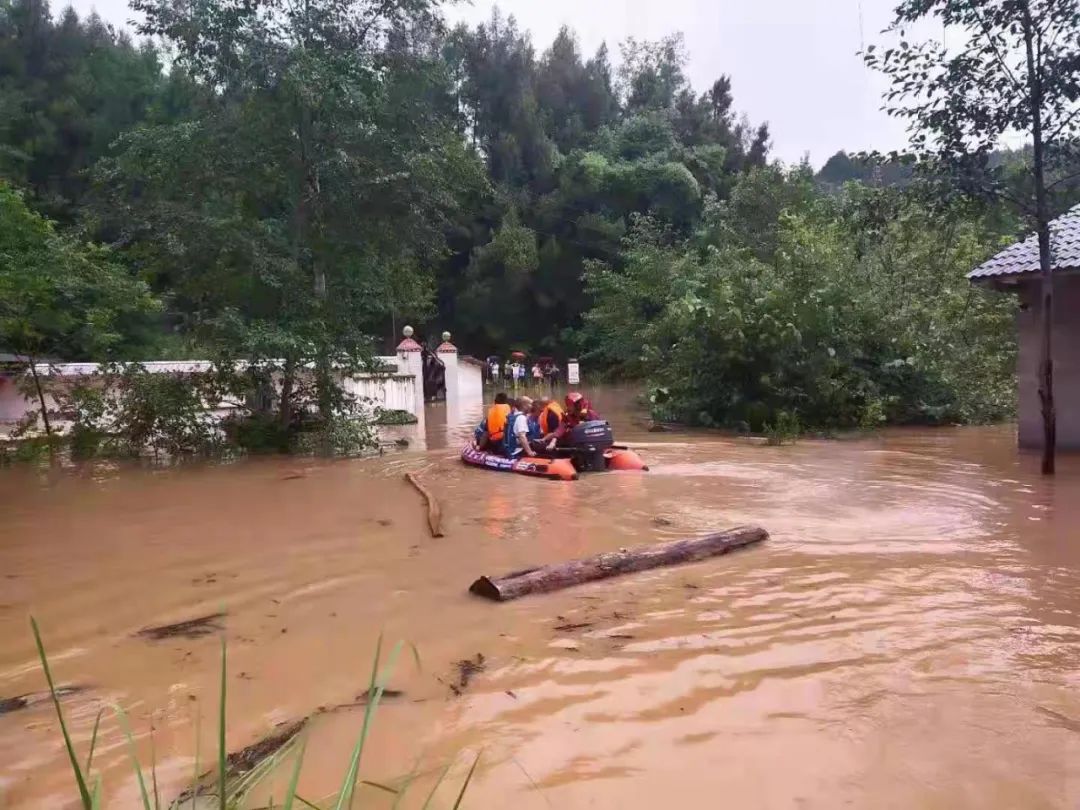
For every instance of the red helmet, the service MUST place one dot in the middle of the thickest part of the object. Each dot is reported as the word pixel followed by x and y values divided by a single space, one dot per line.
pixel 573 399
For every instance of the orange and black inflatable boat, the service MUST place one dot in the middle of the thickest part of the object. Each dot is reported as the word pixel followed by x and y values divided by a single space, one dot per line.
pixel 589 448
pixel 556 469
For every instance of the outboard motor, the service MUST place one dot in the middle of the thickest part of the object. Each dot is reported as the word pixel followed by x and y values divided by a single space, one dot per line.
pixel 589 440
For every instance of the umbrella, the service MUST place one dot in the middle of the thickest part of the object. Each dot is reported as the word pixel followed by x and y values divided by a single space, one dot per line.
pixel 518 355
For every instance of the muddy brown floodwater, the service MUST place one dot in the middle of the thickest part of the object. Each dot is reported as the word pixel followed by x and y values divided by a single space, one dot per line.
pixel 908 638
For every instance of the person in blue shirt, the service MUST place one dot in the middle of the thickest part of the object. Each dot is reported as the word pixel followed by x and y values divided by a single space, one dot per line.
pixel 520 434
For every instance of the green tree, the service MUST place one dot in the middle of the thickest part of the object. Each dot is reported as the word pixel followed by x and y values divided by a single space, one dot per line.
pixel 858 312
pixel 1017 69
pixel 328 161
pixel 60 299
pixel 67 88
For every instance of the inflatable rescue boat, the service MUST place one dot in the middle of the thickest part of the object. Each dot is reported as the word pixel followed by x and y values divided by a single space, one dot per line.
pixel 589 447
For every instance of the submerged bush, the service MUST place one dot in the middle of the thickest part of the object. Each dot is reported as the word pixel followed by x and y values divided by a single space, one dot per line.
pixel 855 312
pixel 394 416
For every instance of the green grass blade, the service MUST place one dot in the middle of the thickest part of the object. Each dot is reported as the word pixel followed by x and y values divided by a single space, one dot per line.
pixel 375 692
pixel 95 795
pixel 153 767
pixel 294 780
pixel 195 778
pixel 222 755
pixel 416 657
pixel 406 783
pixel 84 792
pixel 125 727
pixel 379 786
pixel 435 788
pixel 465 784
pixel 532 781
pixel 250 780
pixel 93 741
pixel 306 803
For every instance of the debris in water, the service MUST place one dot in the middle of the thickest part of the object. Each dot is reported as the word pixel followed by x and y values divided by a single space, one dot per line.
pixel 192 628
pixel 14 704
pixel 566 628
pixel 621 636
pixel 237 764
pixel 467 667
pixel 511 694
pixel 366 695
pixel 659 520
pixel 293 476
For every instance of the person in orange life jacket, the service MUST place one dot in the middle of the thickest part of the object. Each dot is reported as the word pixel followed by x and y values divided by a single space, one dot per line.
pixel 549 417
pixel 489 434
pixel 520 434
pixel 578 410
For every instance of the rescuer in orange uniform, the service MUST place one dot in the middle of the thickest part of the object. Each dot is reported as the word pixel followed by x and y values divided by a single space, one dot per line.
pixel 490 432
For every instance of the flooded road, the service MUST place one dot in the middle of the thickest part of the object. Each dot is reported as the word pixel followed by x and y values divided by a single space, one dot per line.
pixel 908 637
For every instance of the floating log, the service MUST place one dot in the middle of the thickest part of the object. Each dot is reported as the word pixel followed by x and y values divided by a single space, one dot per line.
pixel 191 628
pixel 434 513
pixel 615 563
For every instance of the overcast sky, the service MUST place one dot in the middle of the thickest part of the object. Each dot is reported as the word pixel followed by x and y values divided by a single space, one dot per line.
pixel 792 62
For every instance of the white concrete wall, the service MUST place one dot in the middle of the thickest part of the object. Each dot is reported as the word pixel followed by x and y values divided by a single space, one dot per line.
pixel 401 390
pixel 1066 340
pixel 397 390
pixel 392 393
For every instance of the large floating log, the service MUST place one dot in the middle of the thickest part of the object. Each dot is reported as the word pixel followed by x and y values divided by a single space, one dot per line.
pixel 615 563
pixel 434 513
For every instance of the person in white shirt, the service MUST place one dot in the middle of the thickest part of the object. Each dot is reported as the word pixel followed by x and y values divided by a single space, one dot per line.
pixel 518 425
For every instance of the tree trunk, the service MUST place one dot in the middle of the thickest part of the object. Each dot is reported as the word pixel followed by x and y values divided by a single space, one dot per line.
pixel 1042 222
pixel 615 563
pixel 41 399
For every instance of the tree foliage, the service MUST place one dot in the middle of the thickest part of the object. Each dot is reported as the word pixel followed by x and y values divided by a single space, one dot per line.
pixel 325 168
pixel 575 151
pixel 840 311
pixel 60 297
pixel 1016 70
pixel 68 88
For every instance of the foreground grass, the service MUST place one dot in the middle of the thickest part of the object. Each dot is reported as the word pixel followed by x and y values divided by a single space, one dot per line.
pixel 231 792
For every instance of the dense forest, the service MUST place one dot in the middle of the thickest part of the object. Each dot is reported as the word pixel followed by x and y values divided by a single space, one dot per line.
pixel 288 184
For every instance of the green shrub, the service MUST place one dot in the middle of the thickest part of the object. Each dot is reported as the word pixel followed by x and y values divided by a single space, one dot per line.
pixel 785 430
pixel 853 312
pixel 393 416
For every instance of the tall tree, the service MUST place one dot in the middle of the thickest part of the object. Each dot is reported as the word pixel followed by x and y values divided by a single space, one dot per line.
pixel 577 98
pixel 498 92
pixel 59 298
pixel 329 159
pixel 1017 70
pixel 68 88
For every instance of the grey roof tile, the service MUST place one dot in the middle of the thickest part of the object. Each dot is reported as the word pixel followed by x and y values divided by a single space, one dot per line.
pixel 1023 257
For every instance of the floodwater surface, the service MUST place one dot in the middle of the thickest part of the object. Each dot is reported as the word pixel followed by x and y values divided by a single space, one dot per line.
pixel 909 637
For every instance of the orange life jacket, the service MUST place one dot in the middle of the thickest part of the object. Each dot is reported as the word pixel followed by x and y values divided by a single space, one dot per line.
pixel 551 407
pixel 496 421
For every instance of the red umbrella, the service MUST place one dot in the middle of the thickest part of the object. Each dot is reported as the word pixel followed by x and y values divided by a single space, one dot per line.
pixel 518 355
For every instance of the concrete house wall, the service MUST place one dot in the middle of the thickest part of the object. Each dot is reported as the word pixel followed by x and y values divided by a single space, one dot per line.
pixel 1066 340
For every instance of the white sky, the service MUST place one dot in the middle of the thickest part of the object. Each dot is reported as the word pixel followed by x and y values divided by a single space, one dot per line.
pixel 792 62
